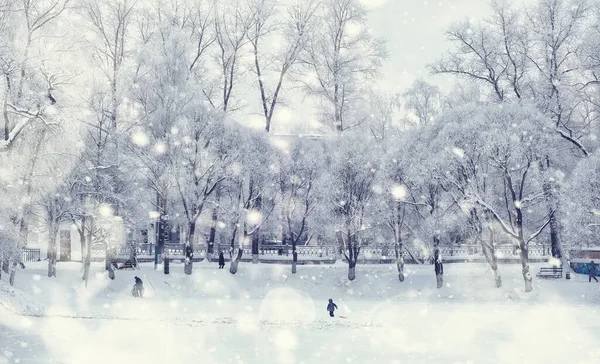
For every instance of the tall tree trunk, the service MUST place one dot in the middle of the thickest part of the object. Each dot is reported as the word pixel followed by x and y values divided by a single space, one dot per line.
pixel 488 248
pixel 489 252
pixel 5 263
pixel 256 234
pixel 337 118
pixel 398 220
pixel 351 271
pixel 437 261
pixel 88 256
pixel 52 250
pixel 352 257
pixel 255 247
pixel 552 206
pixel 213 225
pixel 525 266
pixel 26 209
pixel 294 256
pixel 555 240
pixel 399 259
pixel 341 245
pixel 210 249
pixel 81 232
pixel 13 271
pixel 189 263
pixel 159 225
pixel 109 258
pixel 233 268
pixel 23 234
pixel 5 108
pixel 234 262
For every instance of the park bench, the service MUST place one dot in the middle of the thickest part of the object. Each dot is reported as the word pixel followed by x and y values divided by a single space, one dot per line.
pixel 554 272
pixel 129 264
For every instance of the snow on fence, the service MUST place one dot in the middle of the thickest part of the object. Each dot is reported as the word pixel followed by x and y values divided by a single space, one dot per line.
pixel 307 251
pixel 370 254
pixel 502 251
pixel 31 255
pixel 386 253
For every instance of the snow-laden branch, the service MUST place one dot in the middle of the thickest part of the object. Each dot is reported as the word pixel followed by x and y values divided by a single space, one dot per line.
pixel 14 133
pixel 415 203
pixel 576 142
pixel 28 114
pixel 533 198
pixel 412 255
pixel 539 231
pixel 258 226
pixel 28 117
pixel 497 217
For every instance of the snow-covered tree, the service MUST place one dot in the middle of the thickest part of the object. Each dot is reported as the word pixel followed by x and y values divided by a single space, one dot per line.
pixel 108 120
pixel 511 139
pixel 340 59
pixel 423 102
pixel 30 84
pixel 277 42
pixel 251 197
pixel 33 98
pixel 533 53
pixel 582 203
pixel 232 22
pixel 298 187
pixel 199 161
pixel 396 205
pixel 352 168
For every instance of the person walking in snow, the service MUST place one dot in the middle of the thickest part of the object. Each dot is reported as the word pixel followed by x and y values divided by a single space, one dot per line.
pixel 221 260
pixel 592 272
pixel 331 307
pixel 138 288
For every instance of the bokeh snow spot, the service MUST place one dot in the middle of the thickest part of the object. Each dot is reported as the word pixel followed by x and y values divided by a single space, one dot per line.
pixel 286 340
pixel 288 305
pixel 140 139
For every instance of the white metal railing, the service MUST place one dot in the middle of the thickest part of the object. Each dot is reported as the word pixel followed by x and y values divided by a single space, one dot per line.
pixel 366 252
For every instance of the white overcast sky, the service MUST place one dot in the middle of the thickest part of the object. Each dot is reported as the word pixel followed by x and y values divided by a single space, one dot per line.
pixel 414 30
pixel 415 33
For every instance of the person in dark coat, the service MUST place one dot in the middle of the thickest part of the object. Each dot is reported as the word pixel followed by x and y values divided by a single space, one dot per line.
pixel 592 272
pixel 331 307
pixel 138 287
pixel 221 261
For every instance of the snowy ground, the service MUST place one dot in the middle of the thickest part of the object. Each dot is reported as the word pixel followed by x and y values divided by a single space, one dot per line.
pixel 266 314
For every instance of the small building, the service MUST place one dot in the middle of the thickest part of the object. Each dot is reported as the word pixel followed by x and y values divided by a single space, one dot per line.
pixel 581 259
pixel 67 241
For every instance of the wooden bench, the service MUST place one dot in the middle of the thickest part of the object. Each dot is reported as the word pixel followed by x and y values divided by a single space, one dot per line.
pixel 129 264
pixel 554 272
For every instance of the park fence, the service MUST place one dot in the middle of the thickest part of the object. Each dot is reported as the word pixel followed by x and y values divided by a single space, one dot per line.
pixel 31 255
pixel 326 254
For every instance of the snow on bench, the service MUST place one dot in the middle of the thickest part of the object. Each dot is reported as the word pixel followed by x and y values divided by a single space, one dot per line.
pixel 554 272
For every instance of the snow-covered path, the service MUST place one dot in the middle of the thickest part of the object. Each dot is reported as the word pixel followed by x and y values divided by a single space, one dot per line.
pixel 437 333
pixel 266 316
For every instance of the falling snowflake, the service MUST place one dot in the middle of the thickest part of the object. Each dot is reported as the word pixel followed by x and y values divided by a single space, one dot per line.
pixel 140 139
pixel 399 192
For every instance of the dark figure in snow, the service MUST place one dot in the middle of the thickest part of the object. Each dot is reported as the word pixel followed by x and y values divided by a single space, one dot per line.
pixel 331 307
pixel 221 260
pixel 592 273
pixel 439 268
pixel 138 288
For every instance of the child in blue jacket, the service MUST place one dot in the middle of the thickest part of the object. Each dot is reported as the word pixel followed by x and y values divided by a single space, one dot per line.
pixel 331 307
